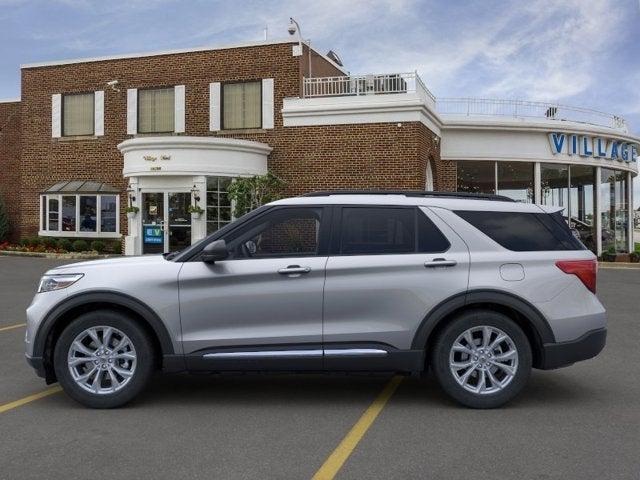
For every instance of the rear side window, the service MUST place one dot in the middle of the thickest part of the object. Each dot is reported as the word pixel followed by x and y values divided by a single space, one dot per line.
pixel 524 232
pixel 371 231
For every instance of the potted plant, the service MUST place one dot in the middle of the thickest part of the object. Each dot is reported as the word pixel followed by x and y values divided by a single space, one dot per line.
pixel 195 211
pixel 131 211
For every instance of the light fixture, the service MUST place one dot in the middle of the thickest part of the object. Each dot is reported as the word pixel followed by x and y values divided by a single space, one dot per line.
pixel 131 191
pixel 196 193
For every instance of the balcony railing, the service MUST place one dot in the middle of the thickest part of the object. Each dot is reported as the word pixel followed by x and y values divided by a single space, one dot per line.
pixel 527 109
pixel 366 85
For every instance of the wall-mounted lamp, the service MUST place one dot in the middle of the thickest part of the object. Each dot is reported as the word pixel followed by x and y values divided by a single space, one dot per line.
pixel 196 194
pixel 131 192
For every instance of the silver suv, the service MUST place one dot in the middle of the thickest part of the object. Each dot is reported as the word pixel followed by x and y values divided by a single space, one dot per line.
pixel 476 287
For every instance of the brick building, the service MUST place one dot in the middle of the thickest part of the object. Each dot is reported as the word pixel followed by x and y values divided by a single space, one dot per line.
pixel 162 131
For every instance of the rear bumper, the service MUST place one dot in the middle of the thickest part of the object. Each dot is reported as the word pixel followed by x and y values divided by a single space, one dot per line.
pixel 556 355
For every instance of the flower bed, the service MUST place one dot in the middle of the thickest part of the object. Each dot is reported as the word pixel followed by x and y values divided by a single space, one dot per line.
pixel 62 248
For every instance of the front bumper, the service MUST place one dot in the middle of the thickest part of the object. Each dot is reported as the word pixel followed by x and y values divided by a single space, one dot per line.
pixel 37 363
pixel 556 355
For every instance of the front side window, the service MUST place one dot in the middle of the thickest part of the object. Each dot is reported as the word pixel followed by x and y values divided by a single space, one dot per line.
pixel 78 114
pixel 290 232
pixel 156 110
pixel 242 105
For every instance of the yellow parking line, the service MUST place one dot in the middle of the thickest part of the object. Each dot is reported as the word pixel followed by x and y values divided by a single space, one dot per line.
pixel 333 464
pixel 11 327
pixel 36 396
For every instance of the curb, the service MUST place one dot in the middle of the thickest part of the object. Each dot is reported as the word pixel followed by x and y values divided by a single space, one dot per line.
pixel 625 265
pixel 60 256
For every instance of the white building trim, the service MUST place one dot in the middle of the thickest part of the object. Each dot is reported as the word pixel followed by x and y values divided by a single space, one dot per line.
pixel 10 100
pixel 174 52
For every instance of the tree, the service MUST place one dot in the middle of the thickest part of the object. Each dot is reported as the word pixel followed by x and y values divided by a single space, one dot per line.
pixel 4 221
pixel 249 193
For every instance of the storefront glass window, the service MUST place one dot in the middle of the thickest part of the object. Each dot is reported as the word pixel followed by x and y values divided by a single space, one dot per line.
pixel 554 180
pixel 614 208
pixel 69 213
pixel 53 214
pixel 108 212
pixel 581 204
pixel 218 203
pixel 476 176
pixel 88 212
pixel 515 180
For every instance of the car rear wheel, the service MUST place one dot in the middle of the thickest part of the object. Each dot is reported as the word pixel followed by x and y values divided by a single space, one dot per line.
pixel 103 359
pixel 482 359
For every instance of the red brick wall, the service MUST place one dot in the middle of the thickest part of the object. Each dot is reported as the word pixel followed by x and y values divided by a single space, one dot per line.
pixel 308 158
pixel 10 162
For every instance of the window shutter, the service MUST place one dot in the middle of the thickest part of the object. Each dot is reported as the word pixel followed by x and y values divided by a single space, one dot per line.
pixel 56 115
pixel 98 111
pixel 214 106
pixel 179 109
pixel 132 111
pixel 267 103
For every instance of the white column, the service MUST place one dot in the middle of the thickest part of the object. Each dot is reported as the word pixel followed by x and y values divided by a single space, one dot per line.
pixel 199 225
pixel 537 184
pixel 133 240
pixel 630 240
pixel 598 212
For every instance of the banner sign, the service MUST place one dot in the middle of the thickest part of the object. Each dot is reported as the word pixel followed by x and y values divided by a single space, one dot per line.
pixel 153 234
pixel 597 147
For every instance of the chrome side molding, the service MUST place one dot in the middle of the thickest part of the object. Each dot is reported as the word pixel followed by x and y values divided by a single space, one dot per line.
pixel 331 352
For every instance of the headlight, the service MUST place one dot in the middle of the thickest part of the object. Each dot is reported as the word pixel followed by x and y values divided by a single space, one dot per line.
pixel 58 281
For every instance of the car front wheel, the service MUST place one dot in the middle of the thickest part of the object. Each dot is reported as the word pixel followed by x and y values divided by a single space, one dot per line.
pixel 482 359
pixel 103 359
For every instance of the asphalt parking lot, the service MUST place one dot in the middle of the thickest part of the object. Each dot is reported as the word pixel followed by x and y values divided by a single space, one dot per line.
pixel 581 422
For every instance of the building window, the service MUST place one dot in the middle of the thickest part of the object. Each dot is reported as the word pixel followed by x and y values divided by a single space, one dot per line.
pixel 582 193
pixel 614 190
pixel 78 114
pixel 80 215
pixel 515 180
pixel 218 203
pixel 242 105
pixel 476 176
pixel 156 110
pixel 554 180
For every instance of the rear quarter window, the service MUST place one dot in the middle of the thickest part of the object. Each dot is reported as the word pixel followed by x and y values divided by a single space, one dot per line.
pixel 524 232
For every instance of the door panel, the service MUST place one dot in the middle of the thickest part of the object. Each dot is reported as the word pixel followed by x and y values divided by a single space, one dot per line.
pixel 266 296
pixel 153 222
pixel 179 221
pixel 383 298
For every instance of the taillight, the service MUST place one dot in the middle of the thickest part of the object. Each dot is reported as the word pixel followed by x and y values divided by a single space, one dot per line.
pixel 585 270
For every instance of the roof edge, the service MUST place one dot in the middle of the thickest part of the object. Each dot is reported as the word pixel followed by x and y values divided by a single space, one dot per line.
pixel 177 51
pixel 10 100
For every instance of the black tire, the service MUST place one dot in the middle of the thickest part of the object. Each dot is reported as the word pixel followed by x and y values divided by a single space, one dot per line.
pixel 444 343
pixel 145 360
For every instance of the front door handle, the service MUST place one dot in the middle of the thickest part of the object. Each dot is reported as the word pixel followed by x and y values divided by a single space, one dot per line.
pixel 440 262
pixel 294 269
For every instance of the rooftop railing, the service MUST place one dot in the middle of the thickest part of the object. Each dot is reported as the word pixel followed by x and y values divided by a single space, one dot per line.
pixel 389 83
pixel 527 109
pixel 375 84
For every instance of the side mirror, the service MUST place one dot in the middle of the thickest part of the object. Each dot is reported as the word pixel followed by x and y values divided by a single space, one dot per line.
pixel 215 251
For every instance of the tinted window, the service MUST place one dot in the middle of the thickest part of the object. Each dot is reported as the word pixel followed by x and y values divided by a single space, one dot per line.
pixel 368 231
pixel 284 232
pixel 430 239
pixel 524 232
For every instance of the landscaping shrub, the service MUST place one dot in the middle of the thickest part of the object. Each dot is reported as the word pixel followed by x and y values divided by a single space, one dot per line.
pixel 49 242
pixel 98 246
pixel 4 222
pixel 24 242
pixel 34 241
pixel 80 246
pixel 65 244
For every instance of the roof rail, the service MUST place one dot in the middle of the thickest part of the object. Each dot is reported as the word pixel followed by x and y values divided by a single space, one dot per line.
pixel 414 193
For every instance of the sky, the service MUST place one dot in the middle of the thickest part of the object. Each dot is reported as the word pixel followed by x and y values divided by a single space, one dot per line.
pixel 578 52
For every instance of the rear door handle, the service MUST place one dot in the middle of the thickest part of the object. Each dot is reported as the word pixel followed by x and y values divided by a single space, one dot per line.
pixel 294 269
pixel 440 262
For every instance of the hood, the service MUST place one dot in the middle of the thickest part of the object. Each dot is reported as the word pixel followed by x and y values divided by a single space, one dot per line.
pixel 111 262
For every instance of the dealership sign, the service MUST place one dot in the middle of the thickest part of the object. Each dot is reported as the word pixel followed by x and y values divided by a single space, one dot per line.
pixel 597 147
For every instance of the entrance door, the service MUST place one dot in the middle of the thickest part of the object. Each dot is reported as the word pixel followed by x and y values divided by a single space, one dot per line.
pixel 166 223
